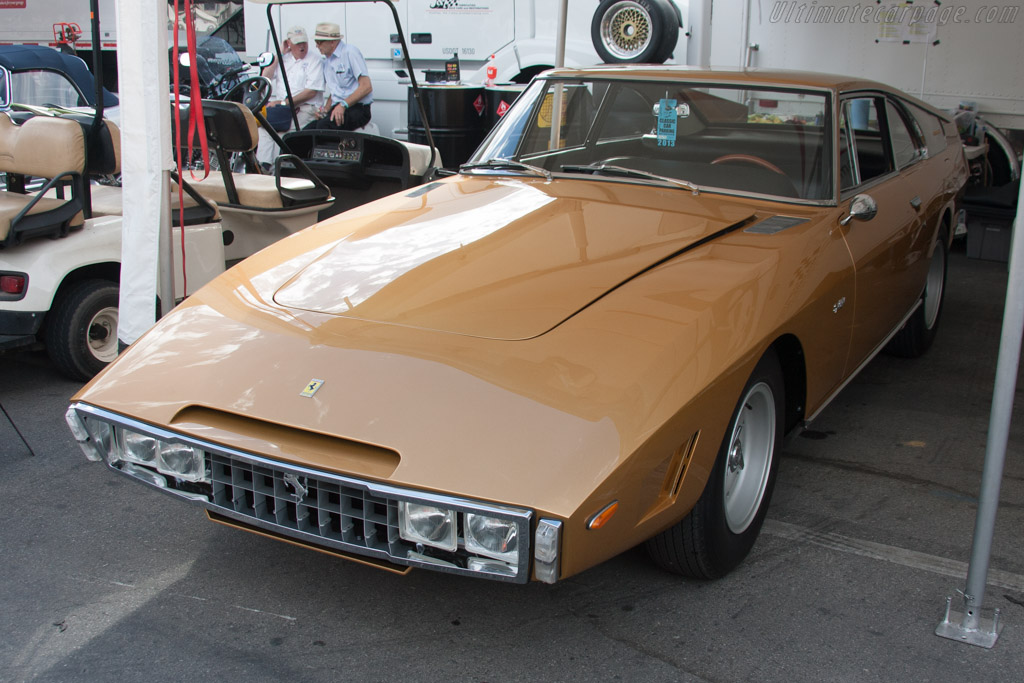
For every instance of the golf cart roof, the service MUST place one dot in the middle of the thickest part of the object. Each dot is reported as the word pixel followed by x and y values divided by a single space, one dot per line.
pixel 35 57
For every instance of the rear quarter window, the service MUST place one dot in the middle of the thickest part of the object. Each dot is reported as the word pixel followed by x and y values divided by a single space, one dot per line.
pixel 931 129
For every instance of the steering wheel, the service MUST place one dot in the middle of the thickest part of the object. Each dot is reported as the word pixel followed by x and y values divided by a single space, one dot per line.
pixel 750 159
pixel 253 92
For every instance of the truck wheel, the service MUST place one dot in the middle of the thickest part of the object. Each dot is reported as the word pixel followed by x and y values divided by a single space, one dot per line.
pixel 81 332
pixel 634 31
pixel 722 527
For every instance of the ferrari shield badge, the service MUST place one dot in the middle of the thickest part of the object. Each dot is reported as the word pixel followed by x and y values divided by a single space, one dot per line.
pixel 311 388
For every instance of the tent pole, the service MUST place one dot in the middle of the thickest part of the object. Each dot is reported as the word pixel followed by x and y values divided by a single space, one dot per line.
pixel 972 628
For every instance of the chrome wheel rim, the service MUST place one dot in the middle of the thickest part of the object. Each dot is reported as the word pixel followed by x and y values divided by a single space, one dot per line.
pixel 102 335
pixel 933 286
pixel 749 457
pixel 626 30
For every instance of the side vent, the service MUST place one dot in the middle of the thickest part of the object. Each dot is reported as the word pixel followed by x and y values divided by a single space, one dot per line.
pixel 674 474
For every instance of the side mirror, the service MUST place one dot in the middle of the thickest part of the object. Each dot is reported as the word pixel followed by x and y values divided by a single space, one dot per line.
pixel 265 59
pixel 5 89
pixel 862 208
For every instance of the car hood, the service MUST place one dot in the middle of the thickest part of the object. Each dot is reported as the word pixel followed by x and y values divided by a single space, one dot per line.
pixel 497 259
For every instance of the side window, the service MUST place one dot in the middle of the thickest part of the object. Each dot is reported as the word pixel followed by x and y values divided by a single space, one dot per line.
pixel 931 129
pixel 904 143
pixel 44 87
pixel 628 115
pixel 862 150
pixel 577 115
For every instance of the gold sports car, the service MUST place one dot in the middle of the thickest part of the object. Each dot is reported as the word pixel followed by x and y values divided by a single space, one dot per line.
pixel 595 334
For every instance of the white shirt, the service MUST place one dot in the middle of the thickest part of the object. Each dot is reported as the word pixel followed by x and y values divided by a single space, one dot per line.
pixel 302 74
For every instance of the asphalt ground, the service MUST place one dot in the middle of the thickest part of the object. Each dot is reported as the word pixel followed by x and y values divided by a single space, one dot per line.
pixel 869 530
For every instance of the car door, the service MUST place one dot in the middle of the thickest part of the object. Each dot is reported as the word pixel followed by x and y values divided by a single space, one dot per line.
pixel 880 152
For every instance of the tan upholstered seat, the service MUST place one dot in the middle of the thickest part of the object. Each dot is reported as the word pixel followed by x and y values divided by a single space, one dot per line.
pixel 107 200
pixel 254 190
pixel 42 147
pixel 231 128
pixel 11 203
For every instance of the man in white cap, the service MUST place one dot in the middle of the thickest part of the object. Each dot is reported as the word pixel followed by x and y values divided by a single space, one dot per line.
pixel 305 71
pixel 349 91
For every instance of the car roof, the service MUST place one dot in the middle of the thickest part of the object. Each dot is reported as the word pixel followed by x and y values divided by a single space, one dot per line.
pixel 31 57
pixel 807 79
pixel 730 75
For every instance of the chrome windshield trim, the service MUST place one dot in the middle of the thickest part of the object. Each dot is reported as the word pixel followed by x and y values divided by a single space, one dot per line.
pixel 668 183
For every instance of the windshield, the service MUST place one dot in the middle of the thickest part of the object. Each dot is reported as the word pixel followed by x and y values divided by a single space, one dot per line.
pixel 758 140
pixel 218 64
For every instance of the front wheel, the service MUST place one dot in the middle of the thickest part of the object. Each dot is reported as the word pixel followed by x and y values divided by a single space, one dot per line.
pixel 722 527
pixel 917 335
pixel 81 331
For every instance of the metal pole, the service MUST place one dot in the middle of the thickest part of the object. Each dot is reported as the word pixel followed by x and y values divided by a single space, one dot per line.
pixel 972 628
pixel 556 97
pixel 563 14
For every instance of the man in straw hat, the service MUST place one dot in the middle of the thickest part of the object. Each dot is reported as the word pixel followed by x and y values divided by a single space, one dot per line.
pixel 349 91
pixel 305 71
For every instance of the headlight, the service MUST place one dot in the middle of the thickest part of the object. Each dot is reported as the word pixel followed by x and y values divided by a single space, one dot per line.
pixel 175 459
pixel 140 448
pixel 492 537
pixel 428 524
pixel 184 462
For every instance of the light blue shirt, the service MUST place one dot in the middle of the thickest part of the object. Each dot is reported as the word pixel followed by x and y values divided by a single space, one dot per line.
pixel 342 71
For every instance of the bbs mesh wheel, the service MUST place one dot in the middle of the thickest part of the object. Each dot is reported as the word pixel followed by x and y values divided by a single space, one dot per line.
pixel 634 31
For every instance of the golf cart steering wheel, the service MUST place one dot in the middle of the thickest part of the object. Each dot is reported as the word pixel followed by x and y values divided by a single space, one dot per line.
pixel 253 92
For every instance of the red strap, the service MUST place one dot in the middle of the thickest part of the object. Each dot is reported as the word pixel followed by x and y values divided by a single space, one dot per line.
pixel 195 120
pixel 177 148
pixel 195 110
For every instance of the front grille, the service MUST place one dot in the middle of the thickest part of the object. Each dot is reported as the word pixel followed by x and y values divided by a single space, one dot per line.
pixel 325 510
pixel 319 508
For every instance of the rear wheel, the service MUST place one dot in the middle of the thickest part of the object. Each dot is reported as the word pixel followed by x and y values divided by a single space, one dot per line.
pixel 918 334
pixel 634 31
pixel 81 332
pixel 722 527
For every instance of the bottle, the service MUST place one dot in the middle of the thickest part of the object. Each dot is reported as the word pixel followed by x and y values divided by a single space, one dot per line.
pixel 492 72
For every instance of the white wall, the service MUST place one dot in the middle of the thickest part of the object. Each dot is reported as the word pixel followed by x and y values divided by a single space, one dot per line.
pixel 977 61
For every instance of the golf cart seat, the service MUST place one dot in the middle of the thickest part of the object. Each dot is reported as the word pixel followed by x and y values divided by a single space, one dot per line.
pixel 101 158
pixel 44 147
pixel 231 128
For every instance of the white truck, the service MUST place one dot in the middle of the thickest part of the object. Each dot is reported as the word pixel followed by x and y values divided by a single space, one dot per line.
pixel 943 53
pixel 520 34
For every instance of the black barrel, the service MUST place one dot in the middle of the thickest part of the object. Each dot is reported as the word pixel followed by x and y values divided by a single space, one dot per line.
pixel 457 115
pixel 499 98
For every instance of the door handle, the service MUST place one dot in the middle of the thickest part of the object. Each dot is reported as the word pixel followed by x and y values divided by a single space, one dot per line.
pixel 916 202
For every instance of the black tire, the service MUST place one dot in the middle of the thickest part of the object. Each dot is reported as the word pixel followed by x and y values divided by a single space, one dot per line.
pixel 718 533
pixel 81 329
pixel 917 335
pixel 634 31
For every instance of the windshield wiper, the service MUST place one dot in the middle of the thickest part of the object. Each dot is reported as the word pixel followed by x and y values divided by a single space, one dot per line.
pixel 507 164
pixel 609 169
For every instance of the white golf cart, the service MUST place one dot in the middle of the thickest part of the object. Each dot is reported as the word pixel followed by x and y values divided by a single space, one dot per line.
pixel 60 245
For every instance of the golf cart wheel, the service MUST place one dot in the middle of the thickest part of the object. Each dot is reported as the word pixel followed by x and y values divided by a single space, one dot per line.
pixel 81 331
